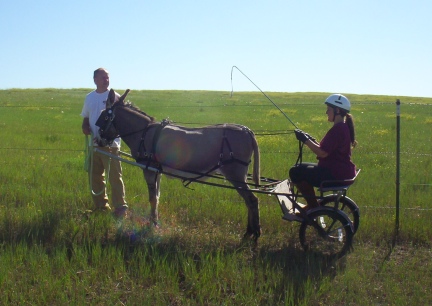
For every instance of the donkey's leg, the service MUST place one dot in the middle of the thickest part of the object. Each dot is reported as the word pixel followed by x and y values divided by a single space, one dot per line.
pixel 236 174
pixel 153 184
pixel 251 200
pixel 254 226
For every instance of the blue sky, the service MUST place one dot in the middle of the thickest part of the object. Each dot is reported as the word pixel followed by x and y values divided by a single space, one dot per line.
pixel 360 47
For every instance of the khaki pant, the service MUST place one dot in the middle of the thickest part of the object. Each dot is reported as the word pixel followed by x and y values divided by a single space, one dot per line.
pixel 101 164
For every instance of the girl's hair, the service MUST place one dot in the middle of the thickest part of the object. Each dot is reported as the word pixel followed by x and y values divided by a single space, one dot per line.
pixel 350 121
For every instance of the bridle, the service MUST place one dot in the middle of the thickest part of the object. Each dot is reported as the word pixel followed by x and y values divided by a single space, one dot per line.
pixel 108 123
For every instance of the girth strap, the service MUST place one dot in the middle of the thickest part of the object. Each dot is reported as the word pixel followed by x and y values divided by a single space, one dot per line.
pixel 149 157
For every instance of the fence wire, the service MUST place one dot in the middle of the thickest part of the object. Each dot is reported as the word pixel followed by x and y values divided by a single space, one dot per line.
pixel 74 151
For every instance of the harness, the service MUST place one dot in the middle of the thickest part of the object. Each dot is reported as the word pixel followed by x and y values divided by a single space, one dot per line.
pixel 147 156
pixel 231 153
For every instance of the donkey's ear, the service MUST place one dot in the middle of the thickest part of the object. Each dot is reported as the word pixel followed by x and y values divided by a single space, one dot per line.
pixel 111 98
pixel 122 98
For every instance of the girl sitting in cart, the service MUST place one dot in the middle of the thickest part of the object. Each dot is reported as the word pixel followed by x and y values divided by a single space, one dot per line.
pixel 333 152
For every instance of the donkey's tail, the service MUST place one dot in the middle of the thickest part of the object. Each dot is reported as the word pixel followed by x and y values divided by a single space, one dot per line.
pixel 256 167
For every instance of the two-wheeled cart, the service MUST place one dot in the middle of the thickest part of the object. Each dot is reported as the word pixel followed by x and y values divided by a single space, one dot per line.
pixel 327 229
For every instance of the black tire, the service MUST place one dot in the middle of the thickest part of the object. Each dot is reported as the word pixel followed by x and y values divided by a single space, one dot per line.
pixel 327 232
pixel 348 206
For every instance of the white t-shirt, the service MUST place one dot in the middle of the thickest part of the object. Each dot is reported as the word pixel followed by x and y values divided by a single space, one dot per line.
pixel 94 105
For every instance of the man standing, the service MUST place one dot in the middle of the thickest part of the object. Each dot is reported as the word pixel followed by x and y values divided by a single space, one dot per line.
pixel 94 104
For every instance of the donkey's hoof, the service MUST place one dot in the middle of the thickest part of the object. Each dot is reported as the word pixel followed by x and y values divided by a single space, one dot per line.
pixel 247 235
pixel 253 236
pixel 155 223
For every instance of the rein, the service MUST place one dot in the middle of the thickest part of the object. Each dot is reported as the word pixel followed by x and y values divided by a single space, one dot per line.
pixel 216 176
pixel 300 155
pixel 221 162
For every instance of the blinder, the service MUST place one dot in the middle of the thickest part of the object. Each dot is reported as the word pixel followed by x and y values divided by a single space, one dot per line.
pixel 107 129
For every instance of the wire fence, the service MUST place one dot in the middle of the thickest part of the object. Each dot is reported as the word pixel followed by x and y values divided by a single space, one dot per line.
pixel 260 133
pixel 279 152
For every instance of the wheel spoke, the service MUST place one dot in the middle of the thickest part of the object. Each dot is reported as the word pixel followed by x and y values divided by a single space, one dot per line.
pixel 347 205
pixel 327 232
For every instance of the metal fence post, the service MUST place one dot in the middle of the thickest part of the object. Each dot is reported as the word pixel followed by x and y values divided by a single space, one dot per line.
pixel 397 165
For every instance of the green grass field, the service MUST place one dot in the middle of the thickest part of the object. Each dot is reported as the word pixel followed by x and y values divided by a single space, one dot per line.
pixel 53 252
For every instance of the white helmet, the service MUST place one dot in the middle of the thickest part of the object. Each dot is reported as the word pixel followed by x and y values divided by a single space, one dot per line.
pixel 339 101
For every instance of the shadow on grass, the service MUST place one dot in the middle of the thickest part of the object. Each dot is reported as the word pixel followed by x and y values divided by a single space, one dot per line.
pixel 288 272
pixel 300 271
pixel 238 269
pixel 18 229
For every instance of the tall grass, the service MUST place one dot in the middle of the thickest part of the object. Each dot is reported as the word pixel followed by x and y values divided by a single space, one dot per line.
pixel 54 252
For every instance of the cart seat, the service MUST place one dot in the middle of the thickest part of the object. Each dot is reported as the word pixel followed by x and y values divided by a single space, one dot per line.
pixel 337 185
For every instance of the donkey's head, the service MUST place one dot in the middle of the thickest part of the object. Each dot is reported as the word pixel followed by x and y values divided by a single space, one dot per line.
pixel 106 121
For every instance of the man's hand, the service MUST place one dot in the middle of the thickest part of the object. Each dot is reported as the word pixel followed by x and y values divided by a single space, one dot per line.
pixel 86 126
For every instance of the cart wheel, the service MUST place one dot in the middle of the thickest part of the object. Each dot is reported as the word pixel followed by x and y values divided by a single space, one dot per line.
pixel 348 206
pixel 326 231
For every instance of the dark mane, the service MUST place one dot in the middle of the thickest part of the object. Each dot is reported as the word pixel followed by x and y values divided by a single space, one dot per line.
pixel 136 109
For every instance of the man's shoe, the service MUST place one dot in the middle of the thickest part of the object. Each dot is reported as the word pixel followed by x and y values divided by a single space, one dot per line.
pixel 105 208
